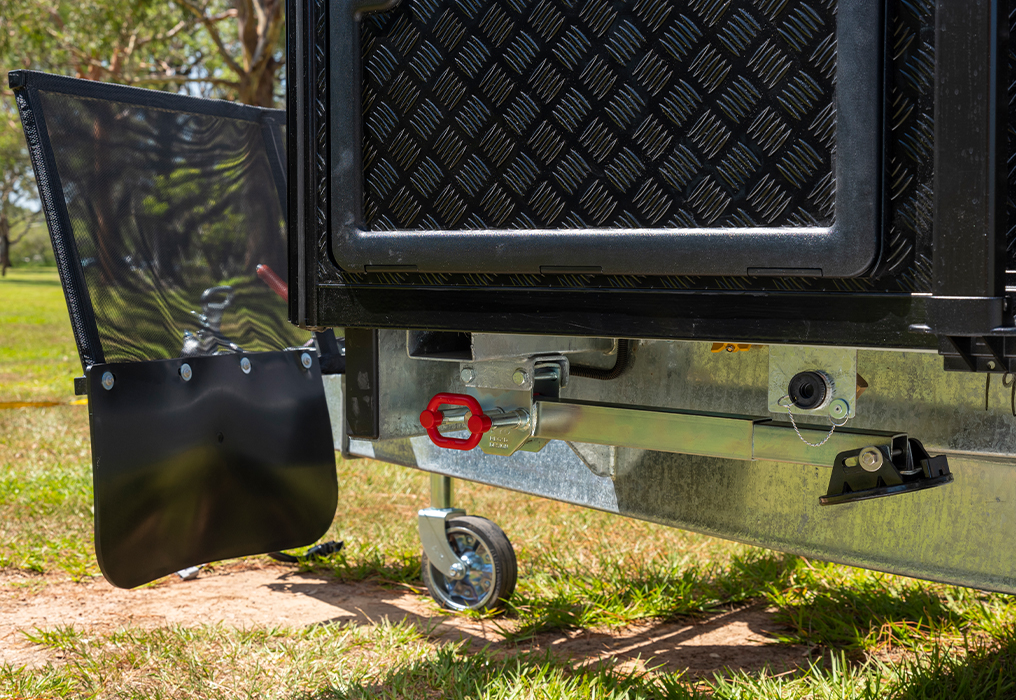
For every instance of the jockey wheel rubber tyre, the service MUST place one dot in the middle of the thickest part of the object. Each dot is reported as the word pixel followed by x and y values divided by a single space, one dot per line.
pixel 492 570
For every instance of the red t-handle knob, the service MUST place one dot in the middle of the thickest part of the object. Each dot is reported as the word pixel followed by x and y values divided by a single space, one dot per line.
pixel 432 417
pixel 274 282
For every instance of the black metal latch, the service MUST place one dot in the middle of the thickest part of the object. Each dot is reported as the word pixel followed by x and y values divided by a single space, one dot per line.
pixel 875 471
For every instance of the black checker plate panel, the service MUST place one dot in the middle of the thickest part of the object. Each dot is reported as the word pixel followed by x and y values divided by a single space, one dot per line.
pixel 593 113
pixel 906 257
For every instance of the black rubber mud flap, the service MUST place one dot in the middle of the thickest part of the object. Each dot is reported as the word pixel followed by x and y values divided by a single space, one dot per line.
pixel 223 464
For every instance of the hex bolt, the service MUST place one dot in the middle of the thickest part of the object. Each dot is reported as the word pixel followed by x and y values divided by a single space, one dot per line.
pixel 306 361
pixel 839 409
pixel 467 375
pixel 107 380
pixel 245 365
pixel 870 459
pixel 520 377
pixel 186 372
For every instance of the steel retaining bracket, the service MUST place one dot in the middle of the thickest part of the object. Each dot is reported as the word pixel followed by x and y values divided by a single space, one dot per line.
pixel 432 524
pixel 873 472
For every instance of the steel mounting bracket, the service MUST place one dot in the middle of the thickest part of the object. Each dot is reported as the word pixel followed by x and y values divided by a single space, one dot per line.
pixel 432 524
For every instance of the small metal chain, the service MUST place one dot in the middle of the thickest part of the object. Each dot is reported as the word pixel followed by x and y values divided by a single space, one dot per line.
pixel 1009 381
pixel 832 430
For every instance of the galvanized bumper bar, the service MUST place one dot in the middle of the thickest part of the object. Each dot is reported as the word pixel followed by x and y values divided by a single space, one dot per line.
pixel 707 435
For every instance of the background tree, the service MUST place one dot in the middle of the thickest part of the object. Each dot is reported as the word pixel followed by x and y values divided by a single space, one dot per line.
pixel 17 185
pixel 229 49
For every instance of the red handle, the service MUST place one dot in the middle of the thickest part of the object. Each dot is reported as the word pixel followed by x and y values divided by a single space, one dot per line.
pixel 269 277
pixel 478 423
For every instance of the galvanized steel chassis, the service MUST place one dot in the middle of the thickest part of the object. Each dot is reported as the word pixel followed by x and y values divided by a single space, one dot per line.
pixel 959 534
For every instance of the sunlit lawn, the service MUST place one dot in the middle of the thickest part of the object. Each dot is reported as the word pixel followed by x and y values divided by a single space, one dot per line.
pixel 871 635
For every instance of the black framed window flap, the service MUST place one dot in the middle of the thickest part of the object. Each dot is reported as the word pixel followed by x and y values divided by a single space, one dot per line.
pixel 161 207
pixel 599 137
pixel 167 215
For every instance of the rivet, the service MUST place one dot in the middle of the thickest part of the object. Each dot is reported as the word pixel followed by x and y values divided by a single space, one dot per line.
pixel 245 365
pixel 186 372
pixel 107 380
pixel 306 361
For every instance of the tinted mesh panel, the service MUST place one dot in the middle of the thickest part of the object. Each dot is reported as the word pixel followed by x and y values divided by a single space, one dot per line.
pixel 165 205
pixel 599 114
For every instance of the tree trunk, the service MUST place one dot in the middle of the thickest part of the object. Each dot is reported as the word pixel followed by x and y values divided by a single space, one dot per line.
pixel 5 245
pixel 259 26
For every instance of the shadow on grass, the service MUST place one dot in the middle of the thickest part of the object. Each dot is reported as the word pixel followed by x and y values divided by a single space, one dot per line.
pixel 622 594
pixel 372 565
pixel 55 282
pixel 453 673
pixel 979 672
pixel 866 612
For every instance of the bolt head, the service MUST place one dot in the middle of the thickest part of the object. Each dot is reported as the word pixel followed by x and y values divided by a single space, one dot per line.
pixel 107 380
pixel 245 365
pixel 306 361
pixel 458 570
pixel 186 372
pixel 520 377
pixel 839 409
pixel 467 374
pixel 870 459
pixel 991 364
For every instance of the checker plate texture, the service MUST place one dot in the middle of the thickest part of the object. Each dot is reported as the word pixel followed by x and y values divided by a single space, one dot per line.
pixel 905 264
pixel 599 113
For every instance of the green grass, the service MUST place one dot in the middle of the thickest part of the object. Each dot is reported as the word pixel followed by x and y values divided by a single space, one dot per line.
pixel 38 358
pixel 870 635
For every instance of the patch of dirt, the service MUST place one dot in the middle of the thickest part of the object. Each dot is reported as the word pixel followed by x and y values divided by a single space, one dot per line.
pixel 251 595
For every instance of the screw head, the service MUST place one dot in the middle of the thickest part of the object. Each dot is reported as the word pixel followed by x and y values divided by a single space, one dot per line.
pixel 467 374
pixel 870 459
pixel 306 361
pixel 245 365
pixel 991 364
pixel 186 372
pixel 520 377
pixel 839 409
pixel 107 380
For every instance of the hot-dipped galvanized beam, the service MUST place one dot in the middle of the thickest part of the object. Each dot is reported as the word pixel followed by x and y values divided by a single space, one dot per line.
pixel 702 434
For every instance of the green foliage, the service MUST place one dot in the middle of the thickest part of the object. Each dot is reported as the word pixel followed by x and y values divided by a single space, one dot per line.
pixel 206 47
pixel 229 49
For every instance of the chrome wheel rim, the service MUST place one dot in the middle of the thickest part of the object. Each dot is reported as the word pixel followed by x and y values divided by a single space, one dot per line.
pixel 474 589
